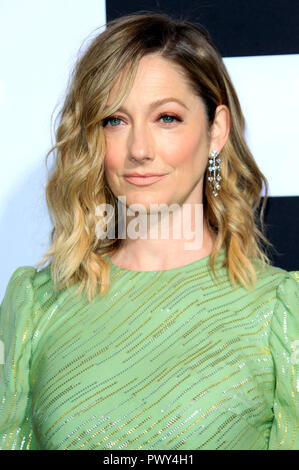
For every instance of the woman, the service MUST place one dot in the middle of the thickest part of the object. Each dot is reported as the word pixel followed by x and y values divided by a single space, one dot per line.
pixel 143 342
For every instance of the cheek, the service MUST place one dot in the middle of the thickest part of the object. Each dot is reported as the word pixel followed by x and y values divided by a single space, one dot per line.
pixel 189 148
pixel 112 157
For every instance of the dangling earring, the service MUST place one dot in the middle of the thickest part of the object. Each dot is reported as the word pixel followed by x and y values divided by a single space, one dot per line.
pixel 214 172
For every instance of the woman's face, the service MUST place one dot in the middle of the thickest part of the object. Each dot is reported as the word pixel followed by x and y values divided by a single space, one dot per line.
pixel 169 138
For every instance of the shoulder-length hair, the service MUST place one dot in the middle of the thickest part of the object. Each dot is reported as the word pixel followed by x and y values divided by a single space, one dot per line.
pixel 77 183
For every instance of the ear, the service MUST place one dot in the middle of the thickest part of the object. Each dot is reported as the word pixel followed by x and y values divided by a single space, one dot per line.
pixel 220 128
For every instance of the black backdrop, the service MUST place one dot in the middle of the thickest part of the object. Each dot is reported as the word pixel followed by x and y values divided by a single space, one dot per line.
pixel 244 28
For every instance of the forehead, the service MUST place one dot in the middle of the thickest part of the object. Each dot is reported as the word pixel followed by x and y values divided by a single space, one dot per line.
pixel 153 67
pixel 156 76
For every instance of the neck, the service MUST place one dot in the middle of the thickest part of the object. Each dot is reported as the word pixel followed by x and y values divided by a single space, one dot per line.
pixel 156 248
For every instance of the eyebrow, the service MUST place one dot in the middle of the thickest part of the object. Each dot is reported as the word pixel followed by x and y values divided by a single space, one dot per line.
pixel 159 102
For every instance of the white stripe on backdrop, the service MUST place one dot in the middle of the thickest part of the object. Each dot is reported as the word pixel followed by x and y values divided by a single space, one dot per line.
pixel 41 41
pixel 268 88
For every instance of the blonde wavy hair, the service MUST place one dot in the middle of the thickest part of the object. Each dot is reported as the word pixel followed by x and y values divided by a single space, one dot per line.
pixel 77 185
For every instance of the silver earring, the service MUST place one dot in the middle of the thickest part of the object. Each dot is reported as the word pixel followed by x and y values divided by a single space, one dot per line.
pixel 214 171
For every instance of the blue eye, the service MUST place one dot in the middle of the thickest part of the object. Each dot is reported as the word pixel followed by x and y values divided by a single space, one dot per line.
pixel 169 116
pixel 111 119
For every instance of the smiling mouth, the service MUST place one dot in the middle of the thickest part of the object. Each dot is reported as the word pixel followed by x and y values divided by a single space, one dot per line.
pixel 143 180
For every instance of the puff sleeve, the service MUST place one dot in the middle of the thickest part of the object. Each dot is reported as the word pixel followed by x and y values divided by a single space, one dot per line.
pixel 284 347
pixel 15 339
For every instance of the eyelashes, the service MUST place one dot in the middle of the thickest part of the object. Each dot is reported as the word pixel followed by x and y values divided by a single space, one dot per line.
pixel 114 118
pixel 111 118
pixel 172 116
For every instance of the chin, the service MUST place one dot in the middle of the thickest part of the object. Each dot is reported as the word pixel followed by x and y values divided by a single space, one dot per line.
pixel 145 200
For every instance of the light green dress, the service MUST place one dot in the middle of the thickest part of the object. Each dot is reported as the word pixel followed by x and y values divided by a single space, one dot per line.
pixel 166 360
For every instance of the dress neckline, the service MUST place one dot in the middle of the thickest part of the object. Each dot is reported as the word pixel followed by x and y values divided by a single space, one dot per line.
pixel 202 262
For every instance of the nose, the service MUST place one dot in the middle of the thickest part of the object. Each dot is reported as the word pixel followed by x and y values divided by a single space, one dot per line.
pixel 140 143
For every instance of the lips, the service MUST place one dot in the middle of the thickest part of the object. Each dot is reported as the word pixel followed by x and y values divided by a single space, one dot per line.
pixel 143 180
pixel 145 175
